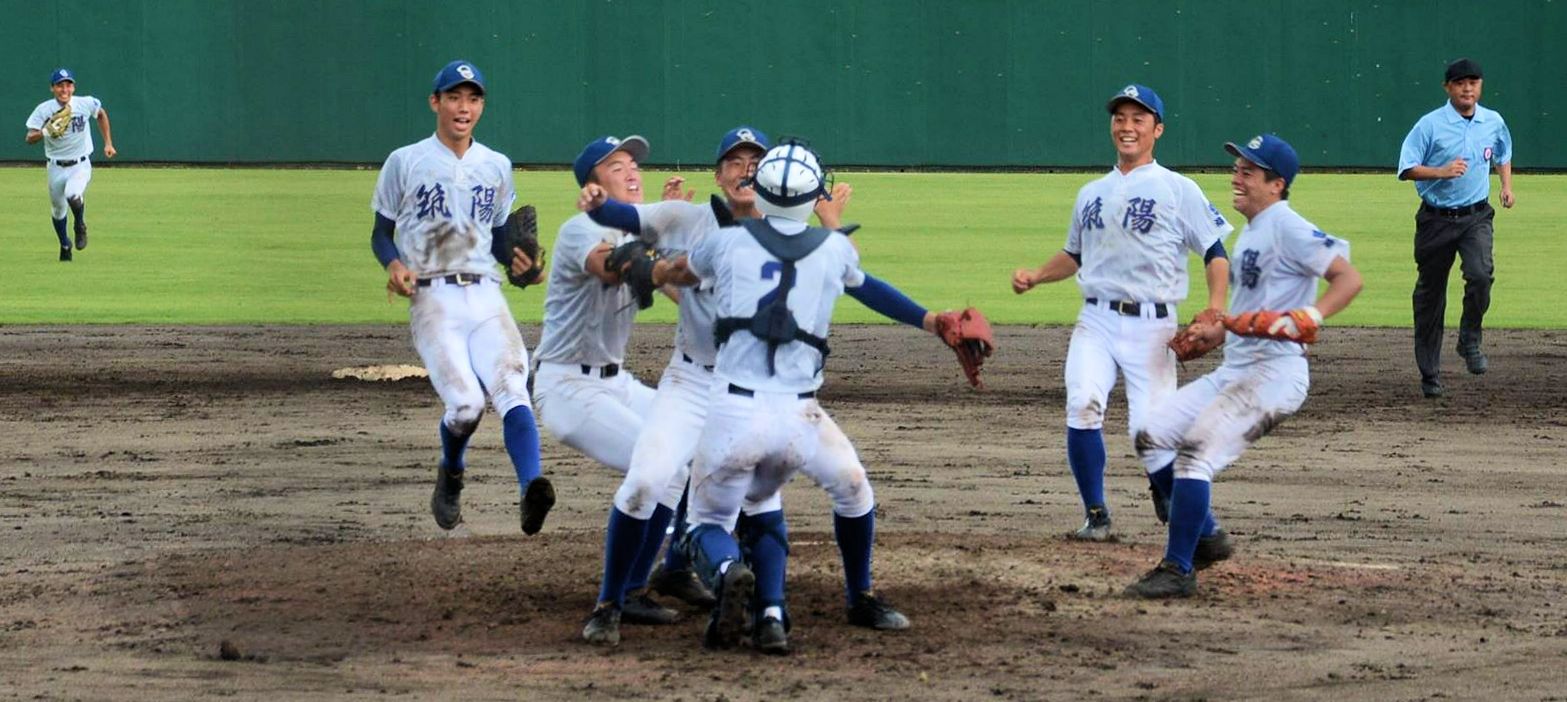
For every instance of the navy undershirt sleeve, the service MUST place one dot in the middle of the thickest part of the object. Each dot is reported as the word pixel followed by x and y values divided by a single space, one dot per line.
pixel 889 302
pixel 1215 251
pixel 1077 257
pixel 617 215
pixel 381 240
pixel 498 245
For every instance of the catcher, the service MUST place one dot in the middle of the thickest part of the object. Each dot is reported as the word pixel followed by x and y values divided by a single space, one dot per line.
pixel 1209 422
pixel 61 124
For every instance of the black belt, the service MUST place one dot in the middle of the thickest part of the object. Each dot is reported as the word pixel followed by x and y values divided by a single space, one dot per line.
pixel 608 371
pixel 693 362
pixel 1464 211
pixel 72 162
pixel 747 392
pixel 453 279
pixel 1133 309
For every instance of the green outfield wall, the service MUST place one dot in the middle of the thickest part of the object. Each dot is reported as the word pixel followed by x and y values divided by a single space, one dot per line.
pixel 976 83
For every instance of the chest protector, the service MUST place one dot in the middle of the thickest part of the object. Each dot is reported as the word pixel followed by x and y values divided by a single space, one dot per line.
pixel 773 322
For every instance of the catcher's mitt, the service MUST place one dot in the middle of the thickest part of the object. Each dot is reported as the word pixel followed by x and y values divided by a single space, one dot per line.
pixel 967 333
pixel 1191 342
pixel 58 122
pixel 522 232
pixel 1295 325
pixel 634 261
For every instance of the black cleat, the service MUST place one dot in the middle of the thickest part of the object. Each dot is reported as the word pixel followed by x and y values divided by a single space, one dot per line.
pixel 1164 581
pixel 603 625
pixel 536 504
pixel 1213 548
pixel 65 253
pixel 446 503
pixel 728 622
pixel 770 637
pixel 871 612
pixel 1096 527
pixel 641 609
pixel 683 585
pixel 81 234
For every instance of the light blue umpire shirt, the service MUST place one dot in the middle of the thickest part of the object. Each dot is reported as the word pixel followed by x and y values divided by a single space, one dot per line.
pixel 1443 135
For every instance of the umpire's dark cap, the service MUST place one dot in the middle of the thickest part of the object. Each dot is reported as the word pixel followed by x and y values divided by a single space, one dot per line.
pixel 456 73
pixel 1140 94
pixel 599 149
pixel 742 136
pixel 1461 69
pixel 1270 152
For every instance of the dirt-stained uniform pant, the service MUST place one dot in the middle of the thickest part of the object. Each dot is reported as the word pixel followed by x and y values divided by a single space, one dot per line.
pixel 1438 238
pixel 470 345
pixel 598 416
pixel 1210 421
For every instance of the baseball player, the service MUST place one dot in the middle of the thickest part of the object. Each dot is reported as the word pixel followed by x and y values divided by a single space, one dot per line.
pixel 61 124
pixel 586 399
pixel 440 205
pixel 670 433
pixel 1206 425
pixel 775 280
pixel 1127 246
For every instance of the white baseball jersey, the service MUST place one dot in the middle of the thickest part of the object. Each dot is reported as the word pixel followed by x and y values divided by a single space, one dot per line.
pixel 585 321
pixel 445 206
pixel 77 140
pixel 679 226
pixel 1132 231
pixel 744 274
pixel 1276 262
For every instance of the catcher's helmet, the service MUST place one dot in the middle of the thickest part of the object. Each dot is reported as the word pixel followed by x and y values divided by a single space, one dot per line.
pixel 789 180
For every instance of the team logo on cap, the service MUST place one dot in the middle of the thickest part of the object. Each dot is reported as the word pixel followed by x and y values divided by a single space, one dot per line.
pixel 1130 91
pixel 1255 143
pixel 465 71
pixel 64 73
pixel 612 141
pixel 746 135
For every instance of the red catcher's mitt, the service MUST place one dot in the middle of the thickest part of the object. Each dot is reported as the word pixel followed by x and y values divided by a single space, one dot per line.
pixel 1294 325
pixel 967 333
pixel 1190 343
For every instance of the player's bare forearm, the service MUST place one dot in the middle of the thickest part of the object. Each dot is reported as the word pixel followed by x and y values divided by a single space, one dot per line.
pixel 108 138
pixel 34 136
pixel 674 272
pixel 1344 283
pixel 1218 275
pixel 1058 268
pixel 596 265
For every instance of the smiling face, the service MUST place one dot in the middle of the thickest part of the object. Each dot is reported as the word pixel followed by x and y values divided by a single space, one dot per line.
pixel 1464 94
pixel 621 177
pixel 1134 130
pixel 733 175
pixel 1252 190
pixel 457 112
pixel 63 91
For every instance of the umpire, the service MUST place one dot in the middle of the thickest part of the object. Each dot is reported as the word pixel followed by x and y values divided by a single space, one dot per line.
pixel 1449 154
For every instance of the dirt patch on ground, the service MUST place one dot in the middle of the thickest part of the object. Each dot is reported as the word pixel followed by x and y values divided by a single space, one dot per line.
pixel 163 491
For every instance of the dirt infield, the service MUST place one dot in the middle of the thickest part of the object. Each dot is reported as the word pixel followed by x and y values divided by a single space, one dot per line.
pixel 166 490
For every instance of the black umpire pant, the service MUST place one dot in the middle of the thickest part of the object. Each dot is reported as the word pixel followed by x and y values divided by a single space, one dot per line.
pixel 1438 237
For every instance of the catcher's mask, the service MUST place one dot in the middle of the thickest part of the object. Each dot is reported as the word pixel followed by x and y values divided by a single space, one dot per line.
pixel 789 180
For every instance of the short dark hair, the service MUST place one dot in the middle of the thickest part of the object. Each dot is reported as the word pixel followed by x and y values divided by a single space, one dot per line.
pixel 1271 175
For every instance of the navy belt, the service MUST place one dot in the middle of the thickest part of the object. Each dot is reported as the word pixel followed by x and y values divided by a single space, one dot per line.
pixel 453 279
pixel 1464 211
pixel 608 371
pixel 72 162
pixel 1133 309
pixel 693 362
pixel 747 392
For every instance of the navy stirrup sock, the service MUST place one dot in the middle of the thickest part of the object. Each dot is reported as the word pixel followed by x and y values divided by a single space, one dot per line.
pixel 768 553
pixel 1085 453
pixel 1188 512
pixel 59 231
pixel 522 444
pixel 675 556
pixel 856 537
pixel 648 554
pixel 452 448
pixel 1164 482
pixel 621 545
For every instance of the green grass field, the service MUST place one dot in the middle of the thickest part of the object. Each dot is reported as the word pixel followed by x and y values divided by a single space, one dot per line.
pixel 259 246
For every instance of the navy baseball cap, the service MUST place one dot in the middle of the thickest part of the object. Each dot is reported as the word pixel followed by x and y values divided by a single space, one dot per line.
pixel 599 149
pixel 62 75
pixel 1140 94
pixel 1463 68
pixel 1270 152
pixel 740 136
pixel 456 73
